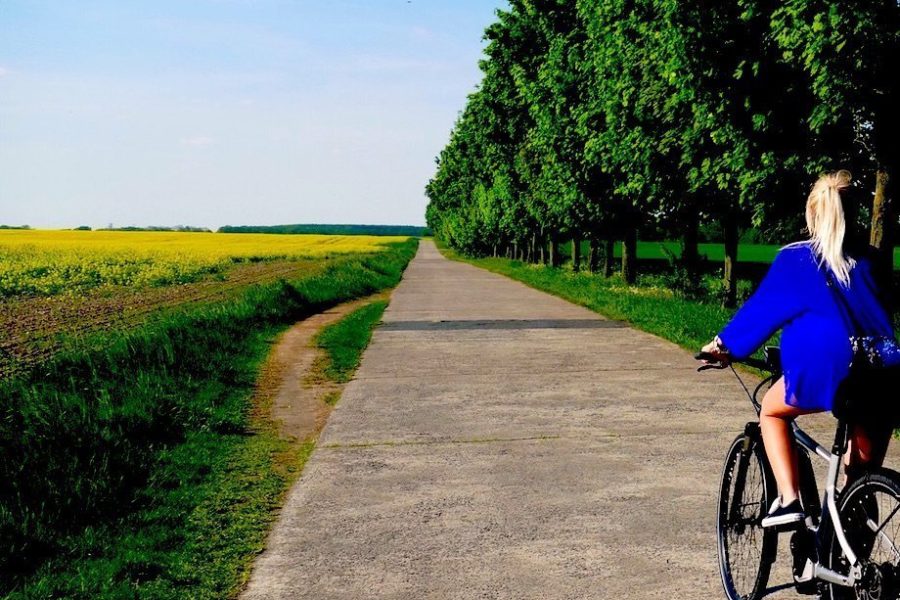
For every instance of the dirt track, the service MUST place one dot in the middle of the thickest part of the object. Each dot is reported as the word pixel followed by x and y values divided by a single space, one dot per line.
pixel 499 442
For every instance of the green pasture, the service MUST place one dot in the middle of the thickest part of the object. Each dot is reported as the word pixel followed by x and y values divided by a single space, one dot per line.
pixel 753 253
pixel 758 253
pixel 647 250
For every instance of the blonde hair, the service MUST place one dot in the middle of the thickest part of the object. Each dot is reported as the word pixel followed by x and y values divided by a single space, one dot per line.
pixel 826 223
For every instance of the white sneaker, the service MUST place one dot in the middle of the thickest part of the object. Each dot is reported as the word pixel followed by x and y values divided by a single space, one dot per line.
pixel 783 515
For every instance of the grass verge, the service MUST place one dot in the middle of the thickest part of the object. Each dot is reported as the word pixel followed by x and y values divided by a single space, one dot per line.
pixel 136 467
pixel 345 341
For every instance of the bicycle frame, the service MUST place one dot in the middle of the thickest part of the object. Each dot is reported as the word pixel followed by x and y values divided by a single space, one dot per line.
pixel 829 503
pixel 829 500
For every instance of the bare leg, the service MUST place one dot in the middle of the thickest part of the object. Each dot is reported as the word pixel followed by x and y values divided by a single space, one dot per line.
pixel 774 422
pixel 867 448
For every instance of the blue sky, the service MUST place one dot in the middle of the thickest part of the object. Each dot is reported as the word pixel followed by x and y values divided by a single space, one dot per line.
pixel 213 112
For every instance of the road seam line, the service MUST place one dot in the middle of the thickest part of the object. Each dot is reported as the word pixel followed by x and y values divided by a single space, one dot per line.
pixel 536 438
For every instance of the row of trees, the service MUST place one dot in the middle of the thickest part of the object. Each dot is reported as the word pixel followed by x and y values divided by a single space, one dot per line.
pixel 599 119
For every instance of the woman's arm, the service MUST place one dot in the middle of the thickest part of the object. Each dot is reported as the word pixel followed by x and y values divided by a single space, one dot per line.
pixel 779 298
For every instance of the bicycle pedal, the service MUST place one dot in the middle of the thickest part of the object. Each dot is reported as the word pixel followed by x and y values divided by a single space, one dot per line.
pixel 806 584
pixel 806 575
pixel 803 549
pixel 807 588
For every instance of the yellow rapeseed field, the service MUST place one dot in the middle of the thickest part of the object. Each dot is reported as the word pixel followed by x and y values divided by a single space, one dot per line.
pixel 56 262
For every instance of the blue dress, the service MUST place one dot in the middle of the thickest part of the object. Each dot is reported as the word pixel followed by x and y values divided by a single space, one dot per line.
pixel 815 346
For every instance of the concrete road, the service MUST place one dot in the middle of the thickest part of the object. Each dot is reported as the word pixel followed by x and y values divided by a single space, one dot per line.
pixel 499 442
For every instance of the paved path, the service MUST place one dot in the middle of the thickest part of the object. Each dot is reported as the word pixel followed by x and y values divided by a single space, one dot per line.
pixel 499 442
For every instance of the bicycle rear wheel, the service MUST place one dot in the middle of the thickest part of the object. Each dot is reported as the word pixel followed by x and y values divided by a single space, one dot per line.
pixel 746 550
pixel 870 516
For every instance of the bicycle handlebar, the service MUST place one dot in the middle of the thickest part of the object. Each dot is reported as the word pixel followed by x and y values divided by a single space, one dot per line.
pixel 771 364
pixel 715 363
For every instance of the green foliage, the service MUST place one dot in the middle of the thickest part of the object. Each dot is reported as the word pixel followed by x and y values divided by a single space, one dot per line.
pixel 683 278
pixel 846 51
pixel 593 119
pixel 118 459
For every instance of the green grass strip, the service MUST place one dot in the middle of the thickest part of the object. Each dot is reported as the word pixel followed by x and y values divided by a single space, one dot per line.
pixel 202 519
pixel 345 341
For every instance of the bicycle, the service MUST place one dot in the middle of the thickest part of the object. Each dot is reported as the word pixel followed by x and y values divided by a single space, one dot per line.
pixel 844 552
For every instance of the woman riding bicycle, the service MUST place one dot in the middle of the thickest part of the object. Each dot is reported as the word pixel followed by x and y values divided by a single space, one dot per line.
pixel 815 347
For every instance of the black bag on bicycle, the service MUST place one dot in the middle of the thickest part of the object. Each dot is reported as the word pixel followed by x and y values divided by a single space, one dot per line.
pixel 868 394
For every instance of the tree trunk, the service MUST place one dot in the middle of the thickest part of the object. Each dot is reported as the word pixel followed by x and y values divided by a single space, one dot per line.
pixel 609 252
pixel 495 251
pixel 543 251
pixel 554 252
pixel 576 253
pixel 882 235
pixel 731 254
pixel 629 255
pixel 533 251
pixel 593 254
pixel 690 256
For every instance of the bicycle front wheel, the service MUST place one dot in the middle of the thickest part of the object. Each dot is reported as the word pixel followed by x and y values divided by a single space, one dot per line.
pixel 869 509
pixel 746 550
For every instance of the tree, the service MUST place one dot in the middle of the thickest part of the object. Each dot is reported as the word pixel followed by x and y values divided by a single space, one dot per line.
pixel 846 52
pixel 603 119
pixel 745 147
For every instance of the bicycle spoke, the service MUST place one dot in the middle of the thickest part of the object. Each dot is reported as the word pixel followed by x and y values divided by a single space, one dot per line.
pixel 870 516
pixel 889 517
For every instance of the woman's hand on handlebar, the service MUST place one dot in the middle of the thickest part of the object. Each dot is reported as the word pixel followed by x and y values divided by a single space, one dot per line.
pixel 717 351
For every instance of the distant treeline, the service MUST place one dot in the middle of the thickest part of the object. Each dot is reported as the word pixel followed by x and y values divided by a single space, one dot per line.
pixel 410 230
pixel 15 226
pixel 157 228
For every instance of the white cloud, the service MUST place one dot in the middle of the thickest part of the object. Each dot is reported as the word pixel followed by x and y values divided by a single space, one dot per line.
pixel 197 141
pixel 4 71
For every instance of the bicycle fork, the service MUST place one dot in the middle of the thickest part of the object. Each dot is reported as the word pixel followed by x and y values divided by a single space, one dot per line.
pixel 751 435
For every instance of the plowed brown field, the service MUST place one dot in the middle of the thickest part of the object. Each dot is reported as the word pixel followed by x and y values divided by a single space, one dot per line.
pixel 32 329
